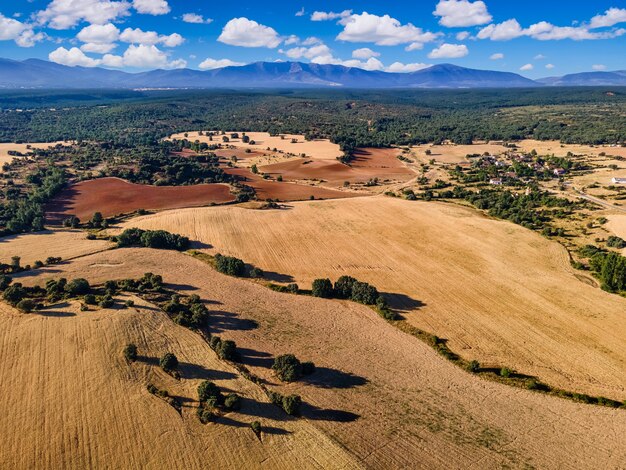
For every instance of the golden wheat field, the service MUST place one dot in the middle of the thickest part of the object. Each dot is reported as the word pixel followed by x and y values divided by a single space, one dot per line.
pixel 499 293
pixel 22 148
pixel 384 397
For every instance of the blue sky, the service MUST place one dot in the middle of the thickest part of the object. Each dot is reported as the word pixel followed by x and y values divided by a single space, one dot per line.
pixel 534 38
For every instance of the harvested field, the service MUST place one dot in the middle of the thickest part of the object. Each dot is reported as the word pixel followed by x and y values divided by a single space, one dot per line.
pixel 617 226
pixel 321 148
pixel 66 244
pixel 22 148
pixel 452 153
pixel 368 164
pixel 285 191
pixel 549 147
pixel 113 196
pixel 384 396
pixel 71 400
pixel 499 293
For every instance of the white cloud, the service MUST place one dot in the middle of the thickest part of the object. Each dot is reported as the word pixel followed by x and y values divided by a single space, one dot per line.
pixel 293 39
pixel 300 12
pixel 550 66
pixel 370 64
pixel 527 67
pixel 145 56
pixel 462 36
pixel 195 18
pixel 320 52
pixel 449 51
pixel 543 31
pixel 72 57
pixel 610 17
pixel 330 15
pixel 364 53
pixel 311 41
pixel 98 48
pixel 114 61
pixel 21 33
pixel 177 64
pixel 382 30
pixel 414 46
pixel 137 36
pixel 151 7
pixel 497 56
pixel 65 14
pixel 598 67
pixel 99 34
pixel 460 13
pixel 248 33
pixel 540 57
pixel 210 64
pixel 399 67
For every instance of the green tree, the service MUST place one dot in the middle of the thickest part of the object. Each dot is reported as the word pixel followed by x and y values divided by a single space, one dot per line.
pixel 287 368
pixel 322 288
pixel 169 362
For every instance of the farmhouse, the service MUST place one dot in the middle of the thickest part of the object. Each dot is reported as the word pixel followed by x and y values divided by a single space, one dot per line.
pixel 496 181
pixel 558 171
pixel 616 180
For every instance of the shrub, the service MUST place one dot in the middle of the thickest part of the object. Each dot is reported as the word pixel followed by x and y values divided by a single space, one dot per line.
pixel 106 301
pixel 159 239
pixel 232 402
pixel 38 264
pixel 78 286
pixel 168 362
pixel 90 299
pixel 205 416
pixel 230 265
pixel 292 288
pixel 215 342
pixel 473 366
pixel 291 404
pixel 208 390
pixel 364 293
pixel 129 303
pixel 130 352
pixel 227 350
pixel 256 273
pixel 343 287
pixel 616 242
pixel 287 368
pixel 26 305
pixel 322 288
pixel 14 293
pixel 256 427
pixel 5 281
pixel 505 372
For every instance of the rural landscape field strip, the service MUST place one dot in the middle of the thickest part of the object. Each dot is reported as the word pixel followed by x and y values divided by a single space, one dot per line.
pixel 497 292
pixel 380 393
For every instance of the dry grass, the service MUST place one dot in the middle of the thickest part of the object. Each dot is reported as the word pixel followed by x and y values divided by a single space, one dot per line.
pixel 319 149
pixel 66 244
pixel 501 294
pixel 71 400
pixel 414 409
pixel 22 148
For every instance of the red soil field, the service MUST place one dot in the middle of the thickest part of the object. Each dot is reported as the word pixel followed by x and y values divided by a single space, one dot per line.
pixel 284 191
pixel 369 163
pixel 113 196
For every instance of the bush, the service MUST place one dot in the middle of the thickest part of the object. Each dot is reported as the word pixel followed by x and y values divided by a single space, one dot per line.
pixel 90 299
pixel 343 287
pixel 207 390
pixel 291 404
pixel 256 427
pixel 26 305
pixel 322 288
pixel 159 239
pixel 287 368
pixel 292 288
pixel 14 293
pixel 130 352
pixel 506 372
pixel 106 301
pixel 78 286
pixel 364 293
pixel 473 366
pixel 168 362
pixel 227 350
pixel 205 416
pixel 230 265
pixel 616 242
pixel 232 402
pixel 5 281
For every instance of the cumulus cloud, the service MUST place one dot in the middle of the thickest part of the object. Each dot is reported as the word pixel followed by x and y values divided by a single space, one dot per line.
pixel 364 53
pixel 72 57
pixel 98 48
pixel 138 36
pixel 382 31
pixel 543 31
pixel 527 67
pixel 329 15
pixel 248 33
pixel 142 56
pixel 99 34
pixel 540 57
pixel 598 67
pixel 550 66
pixel 399 67
pixel 449 51
pixel 611 17
pixel 460 13
pixel 322 54
pixel 65 14
pixel 414 46
pixel 462 36
pixel 151 7
pixel 21 33
pixel 210 64
pixel 300 12
pixel 497 56
pixel 195 18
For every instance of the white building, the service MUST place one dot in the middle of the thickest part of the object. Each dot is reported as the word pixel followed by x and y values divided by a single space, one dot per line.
pixel 616 180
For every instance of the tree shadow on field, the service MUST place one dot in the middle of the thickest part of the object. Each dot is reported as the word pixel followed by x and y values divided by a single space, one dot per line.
pixel 181 287
pixel 220 321
pixel 277 277
pixel 322 414
pixel 188 370
pixel 325 377
pixel 198 245
pixel 228 421
pixel 253 358
pixel 402 302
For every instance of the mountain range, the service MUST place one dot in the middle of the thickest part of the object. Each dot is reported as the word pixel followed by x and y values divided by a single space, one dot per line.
pixel 35 73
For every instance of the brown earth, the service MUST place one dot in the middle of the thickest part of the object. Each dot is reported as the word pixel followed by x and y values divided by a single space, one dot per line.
pixel 382 395
pixel 499 293
pixel 113 196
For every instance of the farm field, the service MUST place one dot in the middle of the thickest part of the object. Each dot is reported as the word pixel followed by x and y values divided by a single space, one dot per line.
pixel 112 196
pixel 65 244
pixel 22 148
pixel 320 149
pixel 499 293
pixel 77 403
pixel 382 395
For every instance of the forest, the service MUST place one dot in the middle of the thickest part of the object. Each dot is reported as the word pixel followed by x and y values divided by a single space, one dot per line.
pixel 356 118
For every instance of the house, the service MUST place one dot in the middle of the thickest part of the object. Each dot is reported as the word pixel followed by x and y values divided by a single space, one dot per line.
pixel 616 180
pixel 558 172
pixel 496 181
